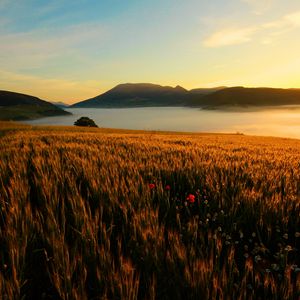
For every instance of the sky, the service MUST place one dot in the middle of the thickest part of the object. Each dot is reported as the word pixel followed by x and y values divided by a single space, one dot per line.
pixel 64 50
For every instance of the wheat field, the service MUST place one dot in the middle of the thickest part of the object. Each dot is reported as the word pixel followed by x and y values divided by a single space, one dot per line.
pixel 116 214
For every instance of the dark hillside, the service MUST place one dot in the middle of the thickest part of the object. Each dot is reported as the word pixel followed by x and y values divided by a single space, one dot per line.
pixel 240 96
pixel 137 95
pixel 16 106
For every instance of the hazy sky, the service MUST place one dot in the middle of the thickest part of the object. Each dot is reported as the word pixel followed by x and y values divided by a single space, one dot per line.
pixel 72 50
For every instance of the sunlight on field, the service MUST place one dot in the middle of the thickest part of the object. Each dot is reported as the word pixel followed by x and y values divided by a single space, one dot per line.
pixel 108 214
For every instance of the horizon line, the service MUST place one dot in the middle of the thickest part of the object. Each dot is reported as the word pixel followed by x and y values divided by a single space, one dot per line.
pixel 155 84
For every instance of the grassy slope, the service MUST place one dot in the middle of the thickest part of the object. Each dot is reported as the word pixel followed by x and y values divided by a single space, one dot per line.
pixel 79 220
pixel 27 112
pixel 16 106
pixel 240 96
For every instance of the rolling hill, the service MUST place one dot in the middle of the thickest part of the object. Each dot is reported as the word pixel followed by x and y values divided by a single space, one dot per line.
pixel 145 94
pixel 16 106
pixel 206 91
pixel 60 104
pixel 245 97
pixel 138 95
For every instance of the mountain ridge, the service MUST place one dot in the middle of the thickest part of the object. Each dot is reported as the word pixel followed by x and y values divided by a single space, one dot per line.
pixel 146 94
pixel 137 94
pixel 243 97
pixel 22 106
pixel 18 106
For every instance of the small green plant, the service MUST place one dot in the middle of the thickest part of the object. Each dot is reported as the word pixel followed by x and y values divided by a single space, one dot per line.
pixel 85 122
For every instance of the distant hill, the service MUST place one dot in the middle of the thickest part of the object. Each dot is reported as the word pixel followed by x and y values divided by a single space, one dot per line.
pixel 145 94
pixel 60 104
pixel 16 106
pixel 138 95
pixel 243 97
pixel 206 91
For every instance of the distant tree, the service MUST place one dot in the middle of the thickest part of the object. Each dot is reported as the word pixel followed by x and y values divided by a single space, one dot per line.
pixel 85 122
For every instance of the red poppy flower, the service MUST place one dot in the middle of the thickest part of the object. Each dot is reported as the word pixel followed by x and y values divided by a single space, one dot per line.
pixel 167 188
pixel 151 186
pixel 191 198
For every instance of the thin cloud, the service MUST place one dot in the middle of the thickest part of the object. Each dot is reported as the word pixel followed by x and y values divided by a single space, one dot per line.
pixel 37 46
pixel 49 88
pixel 283 25
pixel 290 21
pixel 259 6
pixel 4 22
pixel 293 18
pixel 43 40
pixel 4 3
pixel 227 37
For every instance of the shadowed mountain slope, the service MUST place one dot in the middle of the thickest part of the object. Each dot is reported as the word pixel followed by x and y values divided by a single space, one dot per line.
pixel 16 106
pixel 145 94
pixel 206 91
pixel 138 95
pixel 240 96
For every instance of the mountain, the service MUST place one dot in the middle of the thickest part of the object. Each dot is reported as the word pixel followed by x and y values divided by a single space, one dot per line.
pixel 16 106
pixel 138 95
pixel 206 91
pixel 243 97
pixel 145 94
pixel 60 104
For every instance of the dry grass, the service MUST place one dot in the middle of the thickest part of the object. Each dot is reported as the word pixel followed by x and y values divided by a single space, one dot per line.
pixel 78 218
